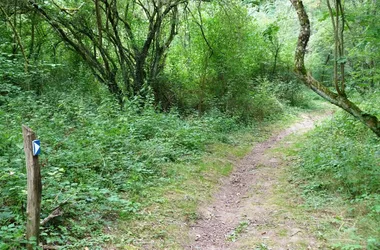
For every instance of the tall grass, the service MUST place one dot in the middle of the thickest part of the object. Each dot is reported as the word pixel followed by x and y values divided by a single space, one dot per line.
pixel 340 161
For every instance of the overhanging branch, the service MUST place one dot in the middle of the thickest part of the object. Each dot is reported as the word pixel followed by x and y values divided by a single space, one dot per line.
pixel 340 100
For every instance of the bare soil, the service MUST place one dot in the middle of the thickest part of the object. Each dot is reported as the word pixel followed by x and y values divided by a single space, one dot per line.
pixel 244 213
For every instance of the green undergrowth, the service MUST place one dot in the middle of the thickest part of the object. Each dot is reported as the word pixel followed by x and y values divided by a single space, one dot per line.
pixel 123 178
pixel 169 209
pixel 338 178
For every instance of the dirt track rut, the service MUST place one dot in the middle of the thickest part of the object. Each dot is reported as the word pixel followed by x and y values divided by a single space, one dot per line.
pixel 242 215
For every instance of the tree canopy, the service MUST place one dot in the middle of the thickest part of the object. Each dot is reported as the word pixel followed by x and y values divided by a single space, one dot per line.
pixel 201 54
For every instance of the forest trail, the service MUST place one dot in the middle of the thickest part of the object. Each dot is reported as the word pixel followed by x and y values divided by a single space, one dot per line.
pixel 244 213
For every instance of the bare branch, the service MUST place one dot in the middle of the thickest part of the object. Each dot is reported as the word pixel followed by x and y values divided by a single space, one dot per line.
pixel 201 26
pixel 56 212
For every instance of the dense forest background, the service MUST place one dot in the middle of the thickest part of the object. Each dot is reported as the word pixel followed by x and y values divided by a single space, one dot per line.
pixel 127 94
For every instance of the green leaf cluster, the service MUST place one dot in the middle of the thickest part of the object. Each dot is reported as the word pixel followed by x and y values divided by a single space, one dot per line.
pixel 96 161
pixel 340 161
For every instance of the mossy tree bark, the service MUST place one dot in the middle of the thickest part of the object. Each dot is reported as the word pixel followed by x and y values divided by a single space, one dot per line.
pixel 338 99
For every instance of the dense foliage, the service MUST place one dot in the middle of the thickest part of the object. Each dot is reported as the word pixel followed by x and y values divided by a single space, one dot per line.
pixel 340 161
pixel 96 160
pixel 118 90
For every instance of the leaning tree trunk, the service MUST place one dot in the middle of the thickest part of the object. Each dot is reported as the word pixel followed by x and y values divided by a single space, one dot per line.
pixel 340 100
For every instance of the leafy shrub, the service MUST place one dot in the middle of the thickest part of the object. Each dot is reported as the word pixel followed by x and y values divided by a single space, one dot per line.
pixel 96 160
pixel 345 152
pixel 341 158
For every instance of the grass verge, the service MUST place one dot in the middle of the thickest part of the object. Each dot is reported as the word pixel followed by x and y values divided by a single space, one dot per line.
pixel 171 208
pixel 332 183
pixel 124 178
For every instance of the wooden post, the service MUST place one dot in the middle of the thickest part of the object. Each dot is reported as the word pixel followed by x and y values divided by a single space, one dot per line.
pixel 34 188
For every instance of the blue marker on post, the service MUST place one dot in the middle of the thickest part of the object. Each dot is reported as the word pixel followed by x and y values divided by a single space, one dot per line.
pixel 36 147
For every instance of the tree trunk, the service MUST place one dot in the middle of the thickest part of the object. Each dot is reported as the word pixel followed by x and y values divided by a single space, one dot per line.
pixel 139 74
pixel 16 38
pixel 371 121
pixel 32 36
pixel 111 49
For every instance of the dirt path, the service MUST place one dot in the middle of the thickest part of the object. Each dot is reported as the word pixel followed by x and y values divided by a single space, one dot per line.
pixel 243 214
